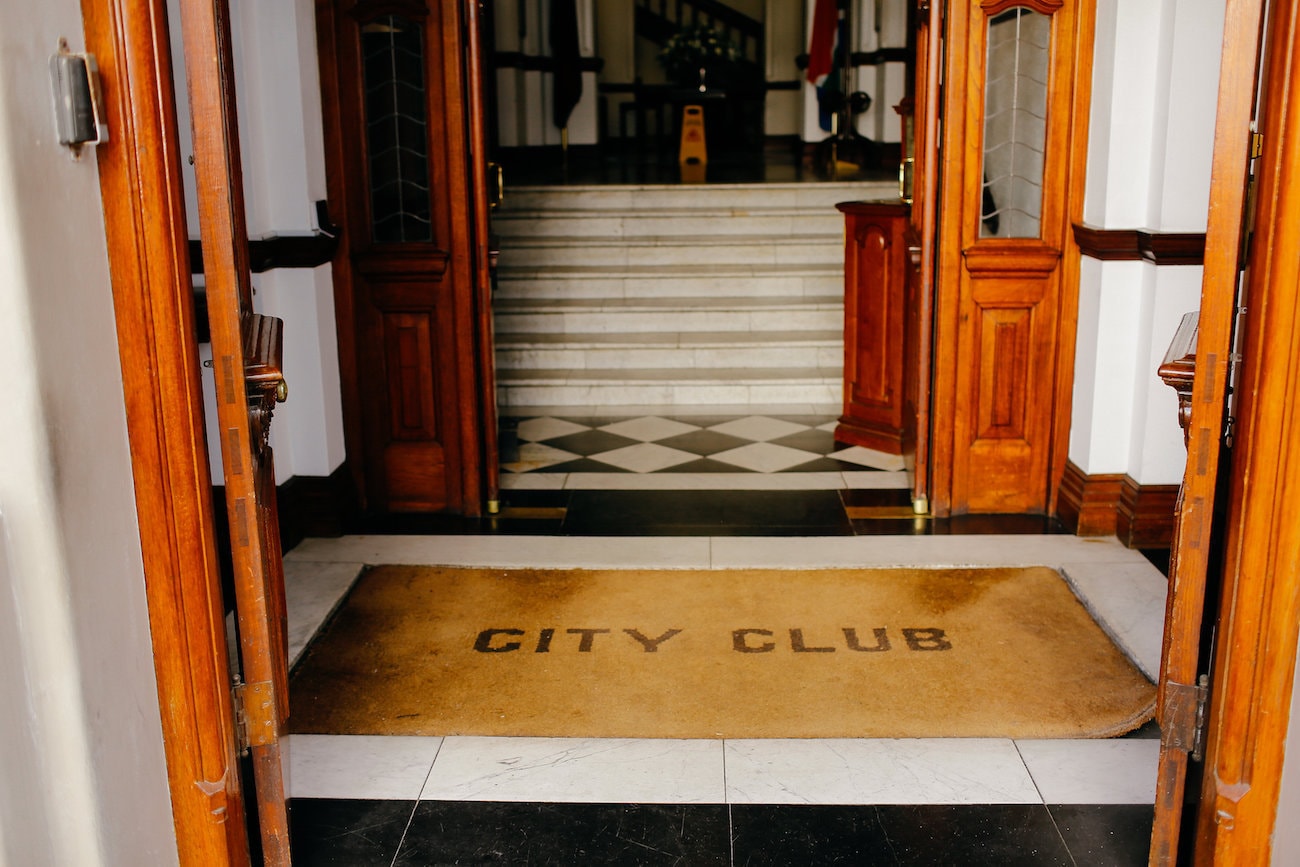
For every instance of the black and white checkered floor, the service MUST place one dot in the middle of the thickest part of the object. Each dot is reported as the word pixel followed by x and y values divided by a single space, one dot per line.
pixel 644 451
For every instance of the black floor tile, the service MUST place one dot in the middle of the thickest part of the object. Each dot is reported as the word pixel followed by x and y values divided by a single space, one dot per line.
pixel 705 465
pixel 877 497
pixel 819 441
pixel 706 513
pixel 826 465
pixel 703 442
pixel 797 835
pixel 444 832
pixel 1111 835
pixel 1005 835
pixel 582 465
pixel 590 442
pixel 347 833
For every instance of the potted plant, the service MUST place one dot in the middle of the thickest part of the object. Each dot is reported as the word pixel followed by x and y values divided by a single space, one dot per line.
pixel 698 56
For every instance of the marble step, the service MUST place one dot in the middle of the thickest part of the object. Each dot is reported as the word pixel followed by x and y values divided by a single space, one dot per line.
pixel 667 388
pixel 780 249
pixel 670 281
pixel 662 222
pixel 651 196
pixel 670 350
pixel 642 315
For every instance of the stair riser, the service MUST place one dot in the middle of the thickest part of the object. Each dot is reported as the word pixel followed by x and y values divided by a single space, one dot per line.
pixel 825 393
pixel 818 252
pixel 678 198
pixel 543 225
pixel 777 357
pixel 642 322
pixel 511 288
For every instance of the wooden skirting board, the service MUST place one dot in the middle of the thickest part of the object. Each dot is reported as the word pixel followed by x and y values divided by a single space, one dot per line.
pixel 1141 516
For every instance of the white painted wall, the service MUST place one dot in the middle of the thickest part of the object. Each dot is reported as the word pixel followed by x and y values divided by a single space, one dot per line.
pixel 282 151
pixel 1155 84
pixel 82 773
pixel 1286 834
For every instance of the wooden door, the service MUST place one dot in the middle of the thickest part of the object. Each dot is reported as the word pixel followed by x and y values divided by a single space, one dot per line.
pixel 1195 554
pixel 409 274
pixel 246 361
pixel 1014 140
pixel 921 186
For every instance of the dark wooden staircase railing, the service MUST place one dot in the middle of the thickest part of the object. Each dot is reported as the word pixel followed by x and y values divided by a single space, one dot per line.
pixel 658 20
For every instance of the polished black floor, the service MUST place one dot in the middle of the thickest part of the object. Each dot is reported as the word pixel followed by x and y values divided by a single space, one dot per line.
pixel 358 833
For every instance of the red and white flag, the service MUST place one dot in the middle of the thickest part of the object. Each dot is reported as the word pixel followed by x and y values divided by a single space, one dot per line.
pixel 822 39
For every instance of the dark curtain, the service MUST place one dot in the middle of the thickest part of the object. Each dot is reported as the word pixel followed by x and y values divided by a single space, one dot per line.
pixel 566 60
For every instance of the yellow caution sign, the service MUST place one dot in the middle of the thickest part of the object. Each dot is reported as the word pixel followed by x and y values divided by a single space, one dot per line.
pixel 693 155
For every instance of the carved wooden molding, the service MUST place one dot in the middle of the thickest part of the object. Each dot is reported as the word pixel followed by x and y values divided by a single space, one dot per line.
pixel 997 7
pixel 1132 245
pixel 1178 369
pixel 1146 513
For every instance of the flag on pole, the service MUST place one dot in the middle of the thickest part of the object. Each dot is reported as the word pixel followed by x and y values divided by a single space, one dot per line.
pixel 826 44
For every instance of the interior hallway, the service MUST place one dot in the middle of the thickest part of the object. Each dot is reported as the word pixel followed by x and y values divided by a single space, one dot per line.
pixel 402 800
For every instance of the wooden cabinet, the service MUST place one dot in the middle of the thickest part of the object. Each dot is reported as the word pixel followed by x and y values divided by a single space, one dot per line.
pixel 878 278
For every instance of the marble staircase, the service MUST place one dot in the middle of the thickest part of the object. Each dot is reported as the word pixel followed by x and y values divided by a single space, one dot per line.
pixel 663 296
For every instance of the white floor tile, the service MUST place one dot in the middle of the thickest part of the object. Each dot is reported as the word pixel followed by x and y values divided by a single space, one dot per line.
pixel 537 456
pixel 1115 771
pixel 758 428
pixel 1128 600
pixel 545 428
pixel 866 481
pixel 705 481
pixel 645 457
pixel 930 771
pixel 575 770
pixel 649 428
pixel 841 551
pixel 533 481
pixel 869 458
pixel 368 767
pixel 764 457
pixel 558 552
pixel 311 591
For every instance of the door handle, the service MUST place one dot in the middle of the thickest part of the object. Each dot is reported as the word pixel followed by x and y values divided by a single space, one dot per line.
pixel 497 194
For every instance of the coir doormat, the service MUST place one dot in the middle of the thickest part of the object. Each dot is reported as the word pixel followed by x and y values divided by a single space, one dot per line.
pixel 706 654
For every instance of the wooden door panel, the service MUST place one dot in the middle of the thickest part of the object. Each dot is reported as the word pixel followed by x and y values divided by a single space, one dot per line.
pixel 406 285
pixel 1004 305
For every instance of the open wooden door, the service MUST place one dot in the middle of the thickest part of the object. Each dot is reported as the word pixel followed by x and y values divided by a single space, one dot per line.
pixel 1183 676
pixel 246 361
pixel 1014 144
pixel 921 185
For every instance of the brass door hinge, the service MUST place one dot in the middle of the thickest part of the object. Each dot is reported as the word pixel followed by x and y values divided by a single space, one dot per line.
pixel 1183 726
pixel 255 720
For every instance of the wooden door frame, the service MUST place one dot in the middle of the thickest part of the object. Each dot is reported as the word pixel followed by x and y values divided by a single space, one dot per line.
pixel 149 266
pixel 944 397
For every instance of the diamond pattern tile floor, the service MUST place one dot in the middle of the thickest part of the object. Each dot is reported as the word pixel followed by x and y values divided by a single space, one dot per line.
pixel 684 444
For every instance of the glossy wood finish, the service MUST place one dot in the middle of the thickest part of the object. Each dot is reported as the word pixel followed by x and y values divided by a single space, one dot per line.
pixel 144 217
pixel 246 362
pixel 1087 504
pixel 1260 614
pixel 409 314
pixel 1131 245
pixel 877 269
pixel 926 100
pixel 1178 369
pixel 1190 556
pixel 1005 308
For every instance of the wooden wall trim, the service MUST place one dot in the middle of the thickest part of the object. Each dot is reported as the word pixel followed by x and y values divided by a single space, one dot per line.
pixel 1145 517
pixel 1134 245
pixel 1087 505
pixel 315 506
pixel 1113 504
pixel 144 216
